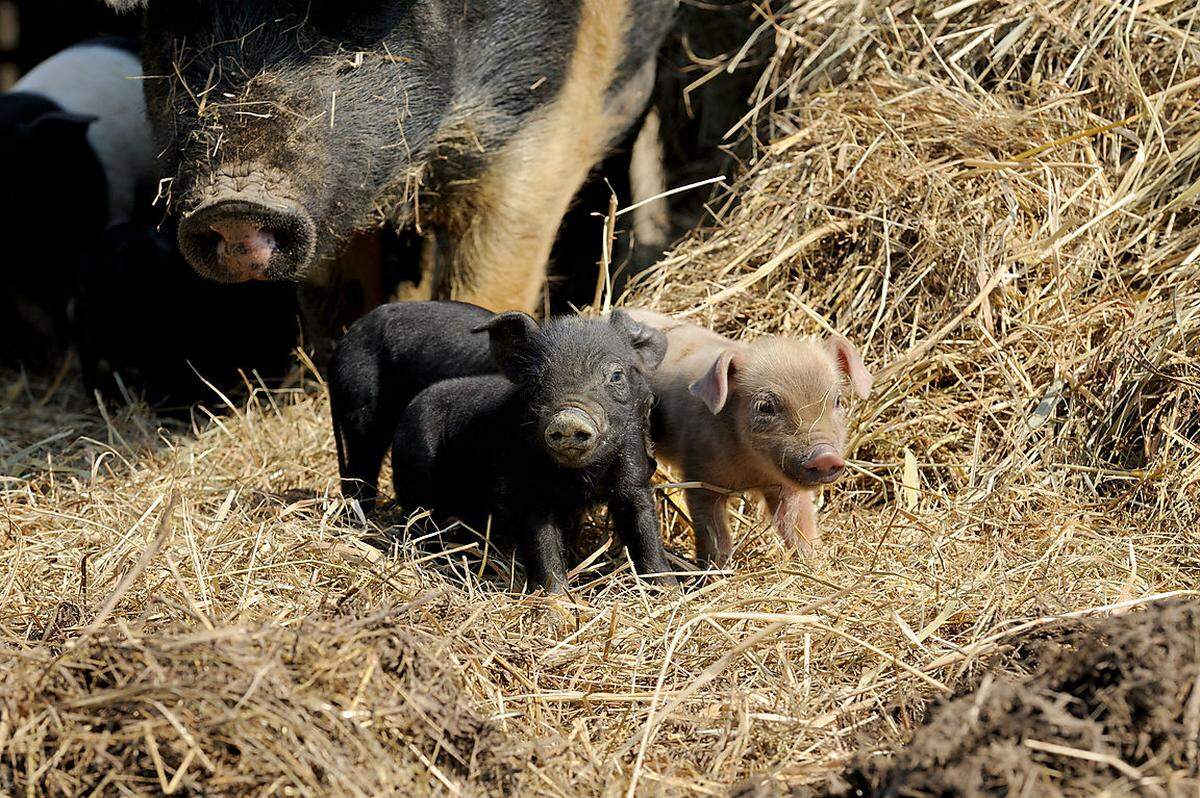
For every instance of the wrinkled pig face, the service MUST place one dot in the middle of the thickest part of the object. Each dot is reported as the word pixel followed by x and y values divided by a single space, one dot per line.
pixel 785 397
pixel 584 380
pixel 282 123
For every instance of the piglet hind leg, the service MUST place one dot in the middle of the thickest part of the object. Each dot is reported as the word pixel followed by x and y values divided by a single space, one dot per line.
pixel 794 513
pixel 637 523
pixel 362 436
pixel 361 459
pixel 710 520
pixel 542 553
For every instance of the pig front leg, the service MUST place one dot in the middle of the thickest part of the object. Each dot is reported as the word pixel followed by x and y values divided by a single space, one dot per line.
pixel 795 510
pixel 325 313
pixel 360 456
pixel 364 420
pixel 542 552
pixel 340 291
pixel 637 523
pixel 714 543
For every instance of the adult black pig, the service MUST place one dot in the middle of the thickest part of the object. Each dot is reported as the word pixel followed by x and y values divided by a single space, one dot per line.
pixel 289 125
pixel 566 427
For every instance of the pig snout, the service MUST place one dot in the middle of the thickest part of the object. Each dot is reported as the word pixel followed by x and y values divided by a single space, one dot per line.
pixel 238 240
pixel 817 466
pixel 244 247
pixel 571 436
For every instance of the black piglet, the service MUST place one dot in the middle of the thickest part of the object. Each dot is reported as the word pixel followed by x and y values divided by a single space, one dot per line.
pixel 564 429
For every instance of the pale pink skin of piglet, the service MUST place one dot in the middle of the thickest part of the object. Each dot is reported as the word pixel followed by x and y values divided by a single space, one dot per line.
pixel 725 449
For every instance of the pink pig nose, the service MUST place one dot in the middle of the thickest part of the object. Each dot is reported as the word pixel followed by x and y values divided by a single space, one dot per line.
pixel 823 464
pixel 244 248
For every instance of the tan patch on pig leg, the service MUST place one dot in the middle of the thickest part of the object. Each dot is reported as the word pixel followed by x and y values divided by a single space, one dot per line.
pixel 807 513
pixel 497 240
pixel 651 222
pixel 710 520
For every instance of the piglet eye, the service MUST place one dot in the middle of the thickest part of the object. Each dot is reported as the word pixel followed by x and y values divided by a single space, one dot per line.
pixel 837 402
pixel 617 377
pixel 766 406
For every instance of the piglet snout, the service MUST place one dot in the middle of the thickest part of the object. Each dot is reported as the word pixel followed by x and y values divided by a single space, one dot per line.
pixel 571 435
pixel 820 464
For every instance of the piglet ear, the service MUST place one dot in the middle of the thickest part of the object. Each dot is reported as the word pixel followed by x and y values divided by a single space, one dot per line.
pixel 649 343
pixel 511 338
pixel 713 387
pixel 850 364
pixel 61 123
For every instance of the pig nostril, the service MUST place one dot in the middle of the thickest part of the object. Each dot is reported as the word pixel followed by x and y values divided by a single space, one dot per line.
pixel 583 436
pixel 209 241
pixel 283 239
pixel 556 436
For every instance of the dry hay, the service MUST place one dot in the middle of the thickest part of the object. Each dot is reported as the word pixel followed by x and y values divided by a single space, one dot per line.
pixel 995 200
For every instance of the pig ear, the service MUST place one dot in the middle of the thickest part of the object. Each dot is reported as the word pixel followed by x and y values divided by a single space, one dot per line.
pixel 125 5
pixel 713 387
pixel 61 123
pixel 850 364
pixel 511 337
pixel 649 343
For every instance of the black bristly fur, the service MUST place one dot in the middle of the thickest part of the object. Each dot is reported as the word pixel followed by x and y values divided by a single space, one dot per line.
pixel 474 447
pixel 385 359
pixel 288 57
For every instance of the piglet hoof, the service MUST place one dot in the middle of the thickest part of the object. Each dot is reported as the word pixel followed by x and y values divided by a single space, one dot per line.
pixel 717 563
pixel 665 582
pixel 550 584
pixel 807 554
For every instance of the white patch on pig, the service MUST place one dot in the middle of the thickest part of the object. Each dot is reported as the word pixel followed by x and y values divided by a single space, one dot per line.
pixel 104 82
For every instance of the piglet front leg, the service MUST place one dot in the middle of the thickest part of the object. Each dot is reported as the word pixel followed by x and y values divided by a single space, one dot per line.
pixel 795 510
pixel 637 523
pixel 542 551
pixel 710 520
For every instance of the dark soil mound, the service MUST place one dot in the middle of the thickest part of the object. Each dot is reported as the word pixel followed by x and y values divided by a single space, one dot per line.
pixel 1113 708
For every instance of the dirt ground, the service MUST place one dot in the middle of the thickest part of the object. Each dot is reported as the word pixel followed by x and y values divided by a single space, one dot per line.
pixel 1111 707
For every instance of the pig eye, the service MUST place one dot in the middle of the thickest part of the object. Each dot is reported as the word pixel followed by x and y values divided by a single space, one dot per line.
pixel 837 402
pixel 617 377
pixel 766 406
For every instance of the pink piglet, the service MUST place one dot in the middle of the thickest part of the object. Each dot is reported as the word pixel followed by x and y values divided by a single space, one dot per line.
pixel 765 416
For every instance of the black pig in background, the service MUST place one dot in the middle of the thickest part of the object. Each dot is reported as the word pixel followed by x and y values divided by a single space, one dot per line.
pixel 564 429
pixel 289 126
pixel 146 324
